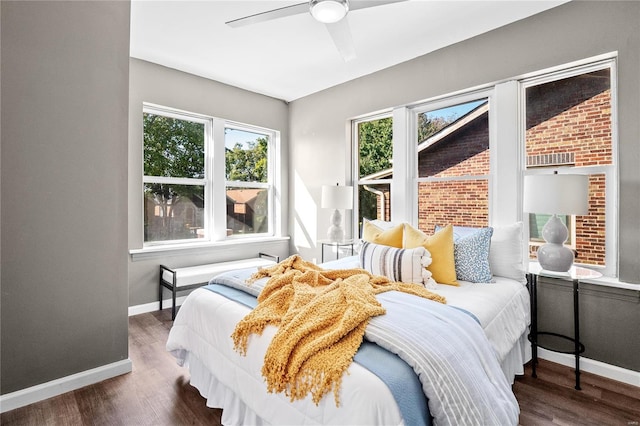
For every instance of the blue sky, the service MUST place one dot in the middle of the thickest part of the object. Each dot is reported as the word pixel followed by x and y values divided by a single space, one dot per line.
pixel 233 136
pixel 456 111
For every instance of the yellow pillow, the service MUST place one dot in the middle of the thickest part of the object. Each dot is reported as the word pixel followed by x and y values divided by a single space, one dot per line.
pixel 440 245
pixel 386 237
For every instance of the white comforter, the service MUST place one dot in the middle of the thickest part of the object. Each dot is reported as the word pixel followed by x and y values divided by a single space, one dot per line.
pixel 201 337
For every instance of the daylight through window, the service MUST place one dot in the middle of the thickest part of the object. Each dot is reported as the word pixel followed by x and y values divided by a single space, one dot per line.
pixel 182 200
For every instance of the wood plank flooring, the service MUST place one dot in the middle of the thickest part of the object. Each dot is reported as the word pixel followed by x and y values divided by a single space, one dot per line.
pixel 157 392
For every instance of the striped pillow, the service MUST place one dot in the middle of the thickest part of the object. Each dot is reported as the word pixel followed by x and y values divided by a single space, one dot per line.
pixel 403 265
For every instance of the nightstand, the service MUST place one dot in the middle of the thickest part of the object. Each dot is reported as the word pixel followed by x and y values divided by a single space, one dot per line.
pixel 337 245
pixel 553 341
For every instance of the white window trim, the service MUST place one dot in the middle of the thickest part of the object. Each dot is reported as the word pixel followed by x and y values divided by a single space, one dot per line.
pixel 215 186
pixel 434 105
pixel 506 142
pixel 355 163
pixel 610 270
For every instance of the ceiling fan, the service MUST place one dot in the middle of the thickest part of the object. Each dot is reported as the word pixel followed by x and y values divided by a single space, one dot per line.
pixel 329 12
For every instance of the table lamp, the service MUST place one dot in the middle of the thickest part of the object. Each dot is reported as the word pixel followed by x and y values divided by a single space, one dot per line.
pixel 338 198
pixel 556 194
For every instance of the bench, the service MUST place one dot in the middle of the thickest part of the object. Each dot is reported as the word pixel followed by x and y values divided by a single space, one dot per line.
pixel 188 278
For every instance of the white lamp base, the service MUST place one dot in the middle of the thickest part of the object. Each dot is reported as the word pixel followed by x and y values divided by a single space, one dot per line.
pixel 336 232
pixel 554 256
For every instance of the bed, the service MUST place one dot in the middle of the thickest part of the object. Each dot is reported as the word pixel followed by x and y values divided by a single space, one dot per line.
pixel 381 386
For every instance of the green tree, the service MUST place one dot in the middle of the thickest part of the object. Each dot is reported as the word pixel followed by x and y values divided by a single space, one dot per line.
pixel 247 164
pixel 375 139
pixel 172 148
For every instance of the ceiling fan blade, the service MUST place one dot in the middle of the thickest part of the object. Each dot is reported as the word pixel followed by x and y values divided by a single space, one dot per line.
pixel 270 15
pixel 341 35
pixel 363 4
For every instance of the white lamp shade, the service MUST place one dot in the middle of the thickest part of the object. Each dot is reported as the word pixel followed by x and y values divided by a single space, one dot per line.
pixel 337 197
pixel 329 11
pixel 556 194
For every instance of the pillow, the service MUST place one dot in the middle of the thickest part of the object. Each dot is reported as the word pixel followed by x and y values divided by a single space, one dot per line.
pixel 505 256
pixel 440 245
pixel 471 254
pixel 389 237
pixel 403 265
pixel 382 224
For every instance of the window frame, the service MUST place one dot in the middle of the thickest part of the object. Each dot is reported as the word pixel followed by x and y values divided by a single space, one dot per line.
pixel 610 171
pixel 507 127
pixel 214 181
pixel 355 167
pixel 441 103
pixel 269 185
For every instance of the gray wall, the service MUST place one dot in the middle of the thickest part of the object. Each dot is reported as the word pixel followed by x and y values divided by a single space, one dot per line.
pixel 65 76
pixel 571 32
pixel 609 318
pixel 164 86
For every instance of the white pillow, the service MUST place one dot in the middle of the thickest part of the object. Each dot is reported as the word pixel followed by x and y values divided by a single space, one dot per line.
pixel 403 265
pixel 505 253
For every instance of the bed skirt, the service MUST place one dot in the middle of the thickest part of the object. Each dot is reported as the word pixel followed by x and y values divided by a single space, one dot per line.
pixel 236 412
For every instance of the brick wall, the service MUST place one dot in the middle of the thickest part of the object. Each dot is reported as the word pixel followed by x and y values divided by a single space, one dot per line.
pixel 569 123
pixel 465 202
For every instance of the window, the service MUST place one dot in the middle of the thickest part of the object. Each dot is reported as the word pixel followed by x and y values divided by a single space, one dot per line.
pixel 460 158
pixel 247 181
pixel 183 201
pixel 374 144
pixel 569 118
pixel 453 164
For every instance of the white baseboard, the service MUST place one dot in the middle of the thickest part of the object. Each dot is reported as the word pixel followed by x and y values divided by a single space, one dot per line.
pixel 154 306
pixel 62 385
pixel 591 366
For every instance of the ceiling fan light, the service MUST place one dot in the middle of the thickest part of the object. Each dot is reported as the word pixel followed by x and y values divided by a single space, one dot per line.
pixel 328 11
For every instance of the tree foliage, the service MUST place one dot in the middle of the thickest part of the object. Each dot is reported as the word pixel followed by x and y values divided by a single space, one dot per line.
pixel 173 147
pixel 375 139
pixel 248 164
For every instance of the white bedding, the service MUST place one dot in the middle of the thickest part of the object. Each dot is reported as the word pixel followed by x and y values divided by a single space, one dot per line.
pixel 502 307
pixel 201 339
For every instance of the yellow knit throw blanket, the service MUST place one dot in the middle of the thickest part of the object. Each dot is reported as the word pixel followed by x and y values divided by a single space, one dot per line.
pixel 321 315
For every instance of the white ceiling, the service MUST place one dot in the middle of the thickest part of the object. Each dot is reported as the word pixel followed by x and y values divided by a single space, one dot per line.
pixel 292 57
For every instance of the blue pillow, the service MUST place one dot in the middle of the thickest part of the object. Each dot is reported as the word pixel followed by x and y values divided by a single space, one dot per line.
pixel 471 253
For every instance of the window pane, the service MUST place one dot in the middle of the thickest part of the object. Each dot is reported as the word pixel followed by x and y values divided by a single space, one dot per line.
pixel 246 156
pixel 568 124
pixel 458 202
pixel 375 147
pixel 173 147
pixel 374 202
pixel 173 212
pixel 453 147
pixel 454 141
pixel 247 210
pixel 537 222
pixel 569 121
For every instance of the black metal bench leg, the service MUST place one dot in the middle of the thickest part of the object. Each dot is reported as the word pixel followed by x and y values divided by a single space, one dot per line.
pixel 173 306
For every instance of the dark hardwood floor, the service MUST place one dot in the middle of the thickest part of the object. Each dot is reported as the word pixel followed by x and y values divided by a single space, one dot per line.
pixel 157 392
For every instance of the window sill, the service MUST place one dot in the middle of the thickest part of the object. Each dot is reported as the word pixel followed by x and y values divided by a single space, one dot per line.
pixel 197 248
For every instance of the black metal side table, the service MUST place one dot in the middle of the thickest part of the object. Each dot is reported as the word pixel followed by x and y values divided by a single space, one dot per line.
pixel 546 339
pixel 337 245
